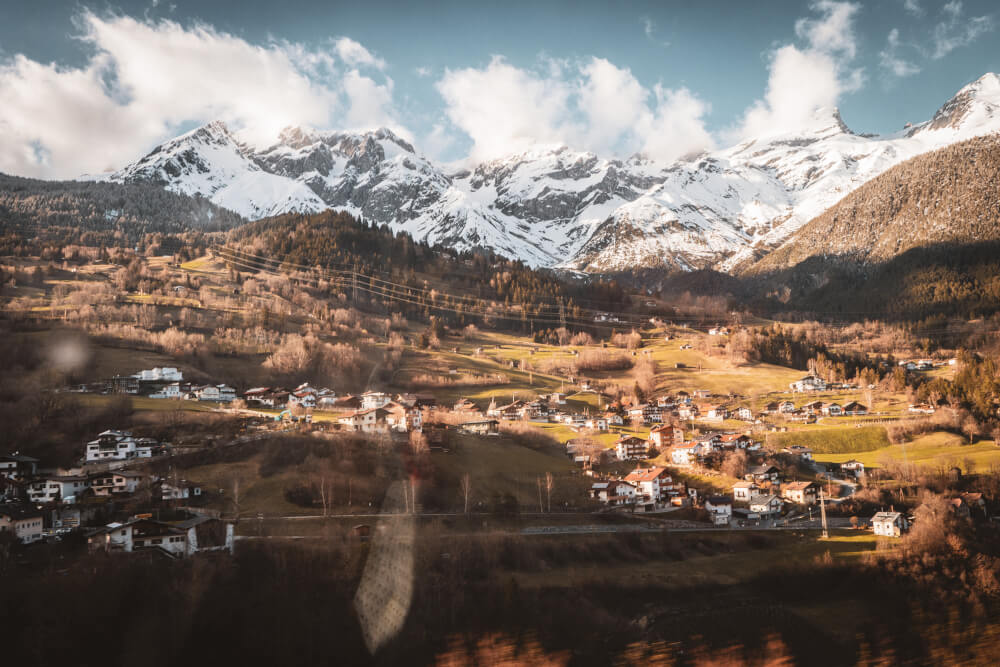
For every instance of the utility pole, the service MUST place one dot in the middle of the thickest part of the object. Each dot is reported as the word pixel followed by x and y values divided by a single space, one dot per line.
pixel 822 511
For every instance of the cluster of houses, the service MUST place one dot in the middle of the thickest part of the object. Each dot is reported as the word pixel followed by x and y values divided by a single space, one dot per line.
pixel 926 364
pixel 811 411
pixel 644 488
pixel 35 502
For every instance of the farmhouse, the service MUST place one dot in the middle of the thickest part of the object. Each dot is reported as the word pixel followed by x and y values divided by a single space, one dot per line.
pixel 631 447
pixel 808 383
pixel 802 493
pixel 652 483
pixel 854 409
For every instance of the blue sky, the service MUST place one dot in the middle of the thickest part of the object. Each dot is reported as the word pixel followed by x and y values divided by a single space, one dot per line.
pixel 88 87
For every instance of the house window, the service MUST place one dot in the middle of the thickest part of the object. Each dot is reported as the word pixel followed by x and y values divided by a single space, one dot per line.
pixel 158 540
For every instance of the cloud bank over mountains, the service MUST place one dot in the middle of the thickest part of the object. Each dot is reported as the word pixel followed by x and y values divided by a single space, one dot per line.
pixel 144 80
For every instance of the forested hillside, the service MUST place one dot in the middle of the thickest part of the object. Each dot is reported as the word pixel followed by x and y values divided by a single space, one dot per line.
pixel 428 280
pixel 920 240
pixel 946 196
pixel 96 213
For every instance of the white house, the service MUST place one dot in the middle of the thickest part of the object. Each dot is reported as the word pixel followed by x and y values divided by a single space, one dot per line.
pixel 613 493
pixel 653 483
pixel 172 390
pixel 219 393
pixel 889 524
pixel 374 399
pixel 370 420
pixel 685 455
pixel 744 413
pixel 721 509
pixel 111 446
pixel 744 491
pixel 596 424
pixel 57 488
pixel 25 522
pixel 404 418
pixel 803 493
pixel 766 505
pixel 832 409
pixel 855 467
pixel 717 413
pixel 304 399
pixel 165 374
pixel 178 539
pixel 179 490
pixel 808 383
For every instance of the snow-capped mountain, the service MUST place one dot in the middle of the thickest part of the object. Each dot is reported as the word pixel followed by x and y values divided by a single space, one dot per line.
pixel 553 206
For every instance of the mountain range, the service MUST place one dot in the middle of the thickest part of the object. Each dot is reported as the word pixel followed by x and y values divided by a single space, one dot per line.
pixel 553 206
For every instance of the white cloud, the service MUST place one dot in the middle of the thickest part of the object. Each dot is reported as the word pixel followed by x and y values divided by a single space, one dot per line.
pixel 955 31
pixel 913 7
pixel 422 72
pixel 833 31
pixel 147 79
pixel 593 105
pixel 355 54
pixel 892 62
pixel 802 80
pixel 649 28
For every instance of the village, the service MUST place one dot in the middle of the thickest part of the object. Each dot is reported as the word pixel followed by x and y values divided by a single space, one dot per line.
pixel 116 502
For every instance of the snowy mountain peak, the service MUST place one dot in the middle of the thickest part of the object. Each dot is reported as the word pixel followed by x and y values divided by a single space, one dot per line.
pixel 976 104
pixel 553 205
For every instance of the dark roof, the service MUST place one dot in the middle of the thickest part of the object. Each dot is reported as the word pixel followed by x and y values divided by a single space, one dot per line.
pixel 19 512
pixel 20 458
pixel 720 500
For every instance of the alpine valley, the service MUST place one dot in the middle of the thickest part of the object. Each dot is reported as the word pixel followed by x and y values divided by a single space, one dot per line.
pixel 553 206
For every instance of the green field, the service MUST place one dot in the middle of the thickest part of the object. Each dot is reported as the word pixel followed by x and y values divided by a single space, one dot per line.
pixel 846 440
pixel 935 451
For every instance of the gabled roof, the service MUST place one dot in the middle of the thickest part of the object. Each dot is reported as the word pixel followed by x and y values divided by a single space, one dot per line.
pixel 798 486
pixel 646 475
pixel 886 516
